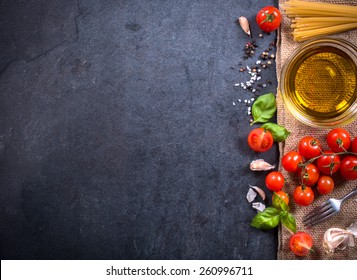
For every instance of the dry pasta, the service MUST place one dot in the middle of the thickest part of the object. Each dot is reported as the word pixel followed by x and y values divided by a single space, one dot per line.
pixel 313 19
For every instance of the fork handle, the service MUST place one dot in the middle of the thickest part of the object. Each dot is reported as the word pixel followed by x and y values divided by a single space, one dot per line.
pixel 349 195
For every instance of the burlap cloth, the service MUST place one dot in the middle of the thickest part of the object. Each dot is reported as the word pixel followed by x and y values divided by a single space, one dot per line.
pixel 348 214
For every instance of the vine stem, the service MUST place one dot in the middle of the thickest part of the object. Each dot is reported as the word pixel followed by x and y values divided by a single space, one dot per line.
pixel 305 164
pixel 323 154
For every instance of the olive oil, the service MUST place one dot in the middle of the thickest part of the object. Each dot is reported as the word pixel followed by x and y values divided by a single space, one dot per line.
pixel 318 83
pixel 323 83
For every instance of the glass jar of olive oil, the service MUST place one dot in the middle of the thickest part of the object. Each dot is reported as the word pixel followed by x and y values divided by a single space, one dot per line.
pixel 319 82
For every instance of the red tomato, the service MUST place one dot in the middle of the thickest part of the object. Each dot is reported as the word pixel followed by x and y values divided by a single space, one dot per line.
pixel 303 195
pixel 284 196
pixel 339 140
pixel 309 175
pixel 325 184
pixel 309 147
pixel 268 18
pixel 354 145
pixel 260 140
pixel 291 160
pixel 274 181
pixel 348 168
pixel 329 163
pixel 301 243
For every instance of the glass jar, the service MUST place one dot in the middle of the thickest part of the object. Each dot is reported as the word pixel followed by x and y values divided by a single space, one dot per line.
pixel 318 82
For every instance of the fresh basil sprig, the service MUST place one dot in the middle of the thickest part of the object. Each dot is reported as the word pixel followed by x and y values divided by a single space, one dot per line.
pixel 273 215
pixel 267 219
pixel 279 132
pixel 264 108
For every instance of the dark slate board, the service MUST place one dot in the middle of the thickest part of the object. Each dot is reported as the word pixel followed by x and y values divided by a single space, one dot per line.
pixel 118 134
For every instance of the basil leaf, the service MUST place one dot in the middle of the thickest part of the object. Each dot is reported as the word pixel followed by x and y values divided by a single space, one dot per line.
pixel 267 219
pixel 279 132
pixel 264 108
pixel 279 204
pixel 288 220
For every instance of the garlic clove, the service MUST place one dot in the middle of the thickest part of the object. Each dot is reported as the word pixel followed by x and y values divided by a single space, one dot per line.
pixel 251 195
pixel 244 24
pixel 258 206
pixel 259 191
pixel 353 229
pixel 260 165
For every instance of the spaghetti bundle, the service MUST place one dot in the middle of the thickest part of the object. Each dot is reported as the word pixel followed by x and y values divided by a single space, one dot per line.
pixel 313 19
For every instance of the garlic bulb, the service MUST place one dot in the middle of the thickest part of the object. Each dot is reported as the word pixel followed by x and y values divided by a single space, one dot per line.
pixel 336 238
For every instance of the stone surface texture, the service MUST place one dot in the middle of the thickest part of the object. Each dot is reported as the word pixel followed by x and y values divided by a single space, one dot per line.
pixel 118 134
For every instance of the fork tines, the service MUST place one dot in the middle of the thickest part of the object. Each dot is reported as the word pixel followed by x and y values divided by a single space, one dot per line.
pixel 319 214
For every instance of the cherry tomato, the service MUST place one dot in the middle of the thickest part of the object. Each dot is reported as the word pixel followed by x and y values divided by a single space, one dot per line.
pixel 308 175
pixel 309 147
pixel 325 184
pixel 284 196
pixel 274 181
pixel 291 160
pixel 348 168
pixel 303 195
pixel 301 243
pixel 260 140
pixel 329 163
pixel 354 145
pixel 268 18
pixel 339 140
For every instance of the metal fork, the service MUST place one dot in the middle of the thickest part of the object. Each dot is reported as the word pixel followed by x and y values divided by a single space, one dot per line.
pixel 326 210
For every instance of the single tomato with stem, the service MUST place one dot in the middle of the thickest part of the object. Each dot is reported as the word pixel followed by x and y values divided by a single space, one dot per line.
pixel 309 147
pixel 328 163
pixel 291 161
pixel 339 140
pixel 268 18
pixel 308 174
pixel 303 195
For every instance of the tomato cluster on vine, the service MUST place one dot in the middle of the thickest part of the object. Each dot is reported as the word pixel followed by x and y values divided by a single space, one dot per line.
pixel 316 167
